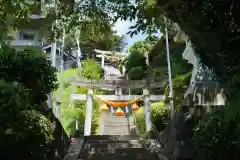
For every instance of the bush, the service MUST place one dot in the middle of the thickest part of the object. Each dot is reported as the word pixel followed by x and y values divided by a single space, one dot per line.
pixel 29 68
pixel 179 86
pixel 217 135
pixel 14 98
pixel 159 116
pixel 23 131
pixel 28 136
pixel 92 70
pixel 136 73
pixel 135 60
pixel 72 111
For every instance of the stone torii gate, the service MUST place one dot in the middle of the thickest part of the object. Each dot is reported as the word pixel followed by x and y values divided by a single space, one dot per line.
pixel 116 85
pixel 110 54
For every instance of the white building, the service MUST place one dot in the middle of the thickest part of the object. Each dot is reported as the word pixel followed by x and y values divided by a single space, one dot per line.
pixel 69 61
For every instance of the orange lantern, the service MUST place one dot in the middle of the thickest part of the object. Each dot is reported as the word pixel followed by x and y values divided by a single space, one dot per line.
pixel 134 107
pixel 119 112
pixel 104 107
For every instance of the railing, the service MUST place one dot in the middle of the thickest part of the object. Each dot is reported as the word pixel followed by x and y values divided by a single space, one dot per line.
pixel 31 43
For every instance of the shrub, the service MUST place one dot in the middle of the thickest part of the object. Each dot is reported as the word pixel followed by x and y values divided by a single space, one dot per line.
pixel 28 136
pixel 179 86
pixel 72 111
pixel 217 135
pixel 23 131
pixel 136 73
pixel 159 116
pixel 30 68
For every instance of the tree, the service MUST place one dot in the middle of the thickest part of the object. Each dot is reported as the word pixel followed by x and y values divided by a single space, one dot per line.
pixel 72 111
pixel 92 70
pixel 144 46
pixel 29 68
pixel 93 35
pixel 23 131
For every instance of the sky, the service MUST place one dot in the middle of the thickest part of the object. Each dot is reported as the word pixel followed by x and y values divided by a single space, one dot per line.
pixel 122 27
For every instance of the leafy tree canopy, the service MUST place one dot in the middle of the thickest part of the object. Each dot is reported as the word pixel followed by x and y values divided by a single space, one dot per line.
pixel 32 132
pixel 92 70
pixel 144 46
pixel 72 111
pixel 29 68
pixel 92 35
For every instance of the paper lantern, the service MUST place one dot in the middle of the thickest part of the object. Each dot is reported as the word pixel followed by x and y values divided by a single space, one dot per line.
pixel 134 107
pixel 119 112
pixel 104 107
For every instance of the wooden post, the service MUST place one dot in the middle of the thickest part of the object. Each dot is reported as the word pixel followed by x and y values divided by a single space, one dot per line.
pixel 88 115
pixel 148 120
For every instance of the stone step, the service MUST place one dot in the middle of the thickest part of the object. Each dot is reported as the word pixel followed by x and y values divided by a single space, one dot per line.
pixel 142 141
pixel 123 130
pixel 114 133
pixel 119 156
pixel 116 130
pixel 115 117
pixel 116 123
pixel 115 150
pixel 111 119
pixel 130 144
pixel 111 137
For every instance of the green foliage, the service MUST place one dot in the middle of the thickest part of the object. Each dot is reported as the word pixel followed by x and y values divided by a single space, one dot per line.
pixel 92 70
pixel 135 60
pixel 29 68
pixel 145 46
pixel 149 17
pixel 22 129
pixel 94 35
pixel 14 99
pixel 30 138
pixel 136 73
pixel 17 10
pixel 179 86
pixel 72 111
pixel 217 134
pixel 216 46
pixel 159 114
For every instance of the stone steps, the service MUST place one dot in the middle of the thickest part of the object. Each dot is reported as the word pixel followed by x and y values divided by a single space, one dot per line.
pixel 114 145
pixel 115 125
pixel 115 156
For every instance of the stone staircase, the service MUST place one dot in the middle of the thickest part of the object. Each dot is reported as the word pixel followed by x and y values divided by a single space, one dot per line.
pixel 110 147
pixel 115 143
pixel 115 125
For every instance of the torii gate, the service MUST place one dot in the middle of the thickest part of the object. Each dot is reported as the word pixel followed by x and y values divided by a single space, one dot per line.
pixel 116 85
pixel 109 54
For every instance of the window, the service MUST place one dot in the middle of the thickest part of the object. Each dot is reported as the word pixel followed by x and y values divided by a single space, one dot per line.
pixel 26 36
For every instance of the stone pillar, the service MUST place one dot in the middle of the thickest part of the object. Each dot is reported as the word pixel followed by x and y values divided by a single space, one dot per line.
pixel 88 115
pixel 148 120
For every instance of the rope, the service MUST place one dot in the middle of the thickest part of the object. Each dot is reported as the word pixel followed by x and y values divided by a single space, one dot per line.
pixel 118 104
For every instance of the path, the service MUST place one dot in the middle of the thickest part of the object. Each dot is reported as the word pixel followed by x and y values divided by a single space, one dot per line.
pixel 117 141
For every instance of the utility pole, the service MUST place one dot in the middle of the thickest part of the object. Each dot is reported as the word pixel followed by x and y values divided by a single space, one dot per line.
pixel 58 102
pixel 77 37
pixel 169 73
pixel 54 43
pixel 53 55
